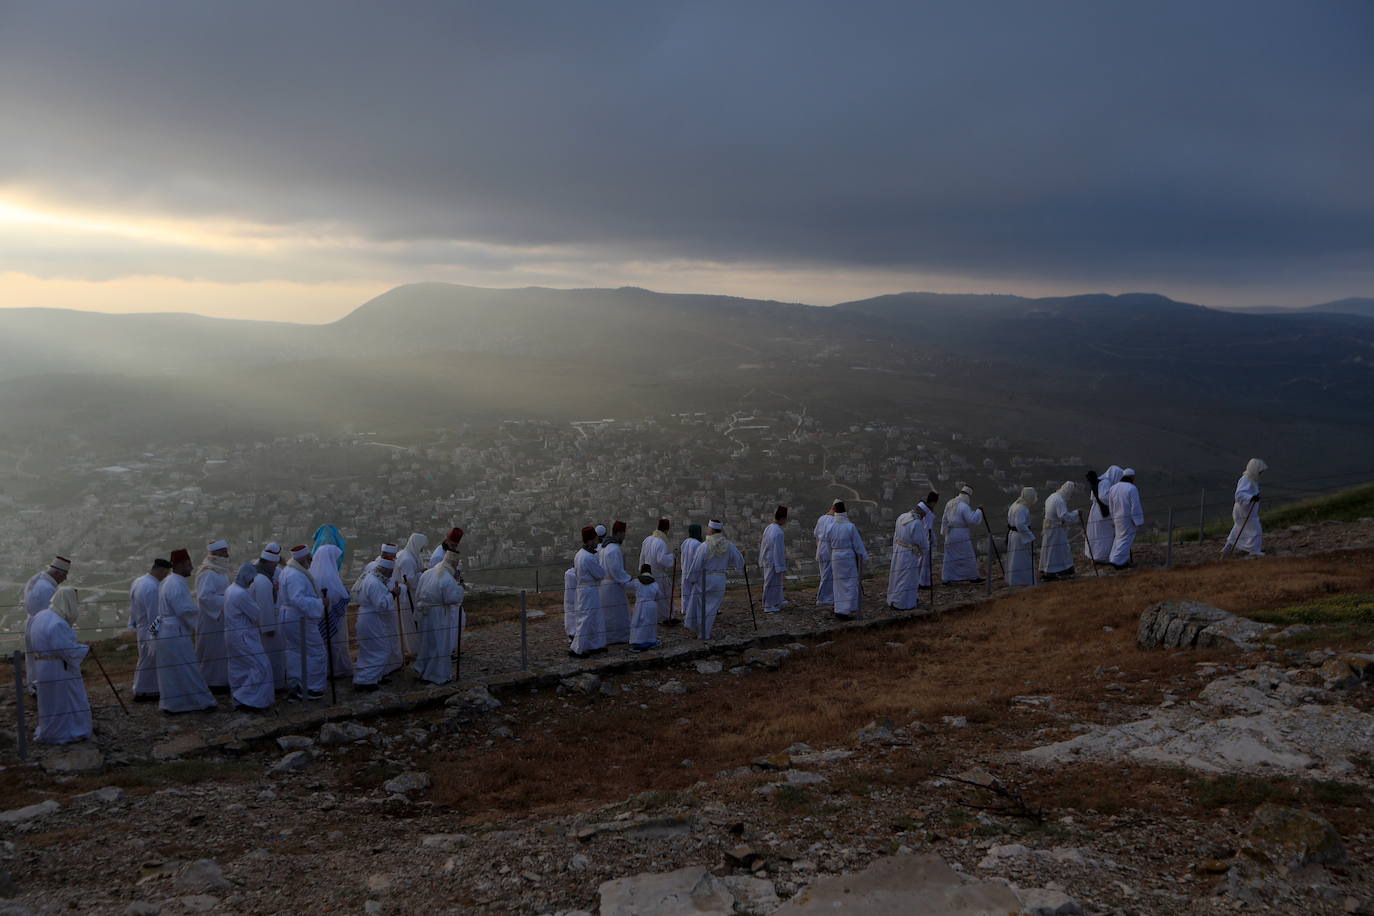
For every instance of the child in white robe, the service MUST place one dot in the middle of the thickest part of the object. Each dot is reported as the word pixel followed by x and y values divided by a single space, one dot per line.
pixel 644 624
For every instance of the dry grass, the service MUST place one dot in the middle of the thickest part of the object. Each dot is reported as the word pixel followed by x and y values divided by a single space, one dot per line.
pixel 972 662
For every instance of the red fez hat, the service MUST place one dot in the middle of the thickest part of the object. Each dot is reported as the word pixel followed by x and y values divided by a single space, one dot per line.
pixel 781 512
pixel 617 527
pixel 181 555
pixel 589 533
pixel 663 524
pixel 454 535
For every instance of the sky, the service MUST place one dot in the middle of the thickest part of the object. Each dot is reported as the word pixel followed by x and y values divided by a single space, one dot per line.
pixel 291 160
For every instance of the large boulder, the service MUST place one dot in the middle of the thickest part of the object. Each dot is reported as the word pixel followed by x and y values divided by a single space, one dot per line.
pixel 1288 838
pixel 1194 625
pixel 691 891
pixel 903 885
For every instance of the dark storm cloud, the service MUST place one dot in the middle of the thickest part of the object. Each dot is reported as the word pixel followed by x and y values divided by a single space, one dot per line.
pixel 1219 141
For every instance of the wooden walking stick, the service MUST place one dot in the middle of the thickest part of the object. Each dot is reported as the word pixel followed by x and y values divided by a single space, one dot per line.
pixel 992 544
pixel 1230 548
pixel 749 589
pixel 329 648
pixel 90 650
pixel 1091 555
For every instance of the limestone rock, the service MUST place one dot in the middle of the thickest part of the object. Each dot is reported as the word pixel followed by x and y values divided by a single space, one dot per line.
pixel 178 746
pixel 478 698
pixel 709 666
pixel 1289 838
pixel 445 842
pixel 752 895
pixel 105 795
pixel 900 886
pixel 295 742
pixel 676 687
pixel 333 733
pixel 83 758
pixel 798 778
pixel 142 908
pixel 29 812
pixel 200 876
pixel 1045 902
pixel 199 903
pixel 583 683
pixel 772 762
pixel 1192 624
pixel 292 762
pixel 691 891
pixel 413 781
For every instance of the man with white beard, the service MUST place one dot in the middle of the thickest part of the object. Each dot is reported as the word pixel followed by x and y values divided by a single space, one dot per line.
pixel 250 671
pixel 825 592
pixel 409 565
pixel 658 553
pixel 212 580
pixel 1056 557
pixel 1123 499
pixel 439 610
pixel 142 613
pixel 717 555
pixel 960 562
pixel 1020 539
pixel 38 592
pixel 264 589
pixel 376 626
pixel 1246 534
pixel 1101 529
pixel 590 637
pixel 773 562
pixel 324 570
pixel 910 552
pixel 690 589
pixel 300 601
pixel 180 684
pixel 64 711
pixel 614 604
pixel 847 553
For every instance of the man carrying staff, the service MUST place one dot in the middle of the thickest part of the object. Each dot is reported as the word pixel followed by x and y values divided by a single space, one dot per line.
pixel 910 549
pixel 1020 539
pixel 409 565
pixel 690 585
pixel 590 635
pixel 926 562
pixel 1246 533
pixel 439 610
pixel 717 555
pixel 1101 530
pixel 142 613
pixel 64 710
pixel 180 684
pixel 846 551
pixel 376 627
pixel 264 589
pixel 658 553
pixel 1124 501
pixel 211 583
pixel 250 671
pixel 448 545
pixel 773 562
pixel 325 563
pixel 961 562
pixel 301 601
pixel 825 592
pixel 1056 557
pixel 38 592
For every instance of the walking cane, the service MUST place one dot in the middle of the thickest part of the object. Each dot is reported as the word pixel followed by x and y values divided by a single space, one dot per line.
pixel 1091 555
pixel 410 599
pixel 90 650
pixel 1230 547
pixel 748 588
pixel 992 544
pixel 400 646
pixel 329 648
pixel 672 580
pixel 458 648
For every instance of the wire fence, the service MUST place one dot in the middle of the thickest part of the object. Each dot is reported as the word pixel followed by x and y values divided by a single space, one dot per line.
pixel 306 655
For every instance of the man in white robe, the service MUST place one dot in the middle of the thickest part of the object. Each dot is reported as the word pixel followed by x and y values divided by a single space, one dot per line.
pixel 926 562
pixel 395 656
pixel 448 545
pixel 439 608
pixel 1020 559
pixel 773 562
pixel 250 672
pixel 690 575
pixel 180 684
pixel 376 626
pixel 264 590
pixel 960 520
pixel 300 602
pixel 142 613
pixel 211 582
pixel 1056 557
pixel 1123 499
pixel 38 592
pixel 910 550
pixel 409 565
pixel 644 621
pixel 614 604
pixel 825 592
pixel 658 553
pixel 590 637
pixel 1247 535
pixel 717 555
pixel 847 554
pixel 64 711
pixel 1101 529
pixel 324 570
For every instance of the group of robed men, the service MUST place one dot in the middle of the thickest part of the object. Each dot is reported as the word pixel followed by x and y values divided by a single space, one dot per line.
pixel 280 626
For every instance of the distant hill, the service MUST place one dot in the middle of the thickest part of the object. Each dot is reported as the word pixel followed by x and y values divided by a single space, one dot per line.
pixel 1360 306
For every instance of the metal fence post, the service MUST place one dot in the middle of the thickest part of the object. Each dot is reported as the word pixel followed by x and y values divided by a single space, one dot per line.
pixel 1169 545
pixel 305 679
pixel 21 733
pixel 536 580
pixel 1201 515
pixel 524 639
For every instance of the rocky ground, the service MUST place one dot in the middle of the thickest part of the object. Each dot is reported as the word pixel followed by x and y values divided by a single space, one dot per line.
pixel 1021 753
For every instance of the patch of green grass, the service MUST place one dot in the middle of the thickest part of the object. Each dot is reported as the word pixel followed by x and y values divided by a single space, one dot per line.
pixel 1356 608
pixel 1342 506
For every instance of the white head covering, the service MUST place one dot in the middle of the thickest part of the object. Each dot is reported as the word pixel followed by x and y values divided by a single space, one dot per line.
pixel 962 498
pixel 246 574
pixel 416 544
pixel 1113 476
pixel 273 548
pixel 1129 472
pixel 300 552
pixel 1027 499
pixel 715 525
pixel 65 603
pixel 386 564
pixel 1067 489
pixel 390 549
pixel 454 559
pixel 601 531
pixel 324 569
pixel 269 556
pixel 220 544
pixel 61 563
pixel 1254 467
